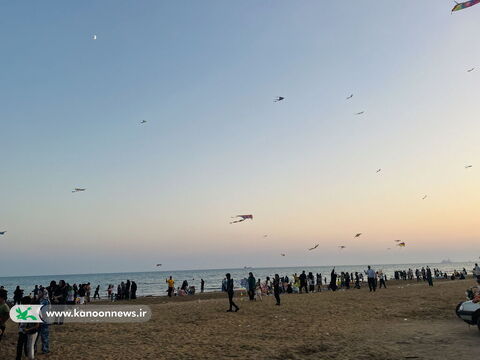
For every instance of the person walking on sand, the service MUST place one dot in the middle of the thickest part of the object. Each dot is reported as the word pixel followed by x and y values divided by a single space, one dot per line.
pixel 251 286
pixel 429 277
pixel 97 294
pixel 382 279
pixel 276 289
pixel 230 293
pixel 171 286
pixel 371 279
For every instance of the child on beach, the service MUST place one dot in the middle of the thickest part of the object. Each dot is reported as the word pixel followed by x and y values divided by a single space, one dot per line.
pixel 258 291
pixel 27 335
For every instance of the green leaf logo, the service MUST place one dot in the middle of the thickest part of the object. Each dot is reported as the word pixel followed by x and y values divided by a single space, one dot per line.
pixel 23 315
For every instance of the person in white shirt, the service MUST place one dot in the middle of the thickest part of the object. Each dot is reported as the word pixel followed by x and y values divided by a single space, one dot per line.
pixel 476 271
pixel 372 277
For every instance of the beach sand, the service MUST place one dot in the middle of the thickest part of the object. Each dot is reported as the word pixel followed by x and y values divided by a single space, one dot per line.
pixel 407 320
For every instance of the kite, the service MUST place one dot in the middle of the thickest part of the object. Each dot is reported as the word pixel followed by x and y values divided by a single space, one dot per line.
pixel 378 170
pixel 342 247
pixel 470 70
pixel 358 235
pixel 402 244
pixel 360 113
pixel 2 232
pixel 282 254
pixel 278 98
pixel 159 264
pixel 350 97
pixel 265 236
pixel 78 190
pixel 468 166
pixel 143 122
pixel 313 248
pixel 243 218
pixel 397 241
pixel 465 5
pixel 94 37
pixel 389 249
pixel 424 197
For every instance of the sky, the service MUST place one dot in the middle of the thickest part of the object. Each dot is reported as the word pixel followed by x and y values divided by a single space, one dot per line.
pixel 204 75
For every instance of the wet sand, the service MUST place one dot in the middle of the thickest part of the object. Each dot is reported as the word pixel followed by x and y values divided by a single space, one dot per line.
pixel 407 320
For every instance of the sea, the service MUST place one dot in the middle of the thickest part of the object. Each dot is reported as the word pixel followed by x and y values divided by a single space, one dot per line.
pixel 153 283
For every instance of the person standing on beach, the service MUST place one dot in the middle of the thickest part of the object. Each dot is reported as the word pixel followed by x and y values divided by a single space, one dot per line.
pixel 303 282
pixel 319 282
pixel 251 286
pixel 171 286
pixel 4 311
pixel 202 285
pixel 476 271
pixel 276 289
pixel 133 290
pixel 127 290
pixel 371 279
pixel 333 280
pixel 230 293
pixel 429 277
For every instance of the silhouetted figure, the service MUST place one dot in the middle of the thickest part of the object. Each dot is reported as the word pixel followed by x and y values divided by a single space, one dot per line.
pixel 303 282
pixel 133 290
pixel 251 286
pixel 230 293
pixel 96 294
pixel 202 285
pixel 333 280
pixel 429 277
pixel 276 288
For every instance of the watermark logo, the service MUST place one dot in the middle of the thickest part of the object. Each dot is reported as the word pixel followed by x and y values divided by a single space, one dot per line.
pixel 26 313
pixel 50 314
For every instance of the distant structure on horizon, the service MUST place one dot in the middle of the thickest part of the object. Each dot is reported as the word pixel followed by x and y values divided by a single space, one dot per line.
pixel 446 261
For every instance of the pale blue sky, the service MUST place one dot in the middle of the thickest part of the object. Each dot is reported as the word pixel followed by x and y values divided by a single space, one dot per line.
pixel 204 74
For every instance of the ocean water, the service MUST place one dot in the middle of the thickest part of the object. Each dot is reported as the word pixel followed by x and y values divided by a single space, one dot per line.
pixel 153 282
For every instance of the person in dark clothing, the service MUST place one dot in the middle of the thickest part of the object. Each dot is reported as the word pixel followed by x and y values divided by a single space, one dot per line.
pixel 251 286
pixel 133 290
pixel 333 280
pixel 96 294
pixel 17 295
pixel 347 280
pixel 202 285
pixel 27 335
pixel 276 288
pixel 303 282
pixel 127 290
pixel 230 293
pixel 357 281
pixel 429 277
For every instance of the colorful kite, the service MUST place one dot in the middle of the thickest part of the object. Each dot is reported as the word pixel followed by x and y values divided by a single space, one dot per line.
pixel 465 5
pixel 243 218
pixel 402 244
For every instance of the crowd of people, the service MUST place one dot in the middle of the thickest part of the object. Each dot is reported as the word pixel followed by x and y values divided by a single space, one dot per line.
pixel 61 293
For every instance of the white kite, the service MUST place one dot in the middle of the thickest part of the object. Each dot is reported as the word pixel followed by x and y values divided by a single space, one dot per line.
pixel 243 218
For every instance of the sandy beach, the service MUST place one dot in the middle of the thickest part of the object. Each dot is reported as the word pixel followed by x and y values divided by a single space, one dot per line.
pixel 407 320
